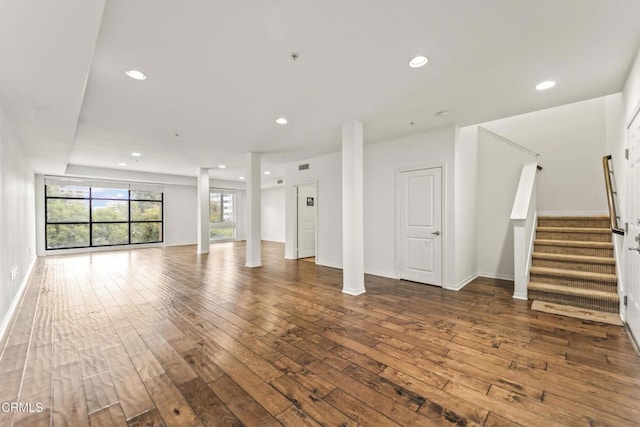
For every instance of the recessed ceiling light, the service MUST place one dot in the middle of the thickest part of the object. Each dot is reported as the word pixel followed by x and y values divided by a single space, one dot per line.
pixel 281 121
pixel 135 74
pixel 547 84
pixel 267 173
pixel 241 177
pixel 122 164
pixel 136 154
pixel 418 61
pixel 222 166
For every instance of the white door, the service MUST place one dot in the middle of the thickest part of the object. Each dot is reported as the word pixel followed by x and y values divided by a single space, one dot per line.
pixel 307 202
pixel 632 237
pixel 420 226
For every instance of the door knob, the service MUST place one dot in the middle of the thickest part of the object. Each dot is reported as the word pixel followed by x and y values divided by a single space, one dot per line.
pixel 436 233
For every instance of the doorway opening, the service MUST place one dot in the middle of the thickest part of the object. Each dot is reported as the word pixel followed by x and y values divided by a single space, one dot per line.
pixel 307 208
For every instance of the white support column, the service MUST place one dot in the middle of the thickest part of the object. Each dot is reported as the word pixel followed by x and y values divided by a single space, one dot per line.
pixel 253 230
pixel 352 209
pixel 203 211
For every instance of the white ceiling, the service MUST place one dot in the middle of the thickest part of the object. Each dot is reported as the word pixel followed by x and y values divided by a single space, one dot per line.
pixel 220 73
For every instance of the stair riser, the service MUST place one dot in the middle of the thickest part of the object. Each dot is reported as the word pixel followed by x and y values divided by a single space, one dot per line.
pixel 582 302
pixel 575 283
pixel 574 237
pixel 575 266
pixel 568 250
pixel 591 223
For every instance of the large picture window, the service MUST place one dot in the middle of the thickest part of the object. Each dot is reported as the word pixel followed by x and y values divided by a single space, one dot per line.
pixel 80 216
pixel 222 215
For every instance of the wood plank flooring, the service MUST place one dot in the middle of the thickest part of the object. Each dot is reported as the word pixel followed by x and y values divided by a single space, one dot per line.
pixel 162 336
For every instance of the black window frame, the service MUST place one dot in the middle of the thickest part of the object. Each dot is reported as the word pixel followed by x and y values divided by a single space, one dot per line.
pixel 91 222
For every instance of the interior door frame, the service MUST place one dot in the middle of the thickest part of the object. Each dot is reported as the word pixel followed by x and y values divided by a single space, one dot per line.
pixel 315 208
pixel 443 207
pixel 628 238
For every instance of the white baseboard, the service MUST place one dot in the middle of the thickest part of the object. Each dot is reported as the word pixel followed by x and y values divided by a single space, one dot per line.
pixel 381 274
pixel 353 292
pixel 17 299
pixel 520 296
pixel 462 283
pixel 497 276
pixel 326 264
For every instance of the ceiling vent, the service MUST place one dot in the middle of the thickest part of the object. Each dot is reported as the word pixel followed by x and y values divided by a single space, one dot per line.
pixel 280 181
pixel 303 167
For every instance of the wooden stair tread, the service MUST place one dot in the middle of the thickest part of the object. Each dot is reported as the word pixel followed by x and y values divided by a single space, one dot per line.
pixel 574 230
pixel 577 312
pixel 574 243
pixel 574 274
pixel 574 258
pixel 573 218
pixel 577 292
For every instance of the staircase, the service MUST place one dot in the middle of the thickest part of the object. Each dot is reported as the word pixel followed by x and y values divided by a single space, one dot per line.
pixel 573 264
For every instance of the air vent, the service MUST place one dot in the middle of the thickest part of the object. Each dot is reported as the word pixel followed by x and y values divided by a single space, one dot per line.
pixel 303 167
pixel 280 181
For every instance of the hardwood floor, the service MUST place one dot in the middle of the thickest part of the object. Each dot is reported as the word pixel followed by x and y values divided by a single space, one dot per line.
pixel 152 337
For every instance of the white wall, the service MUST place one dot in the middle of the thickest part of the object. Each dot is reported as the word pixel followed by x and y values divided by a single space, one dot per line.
pixel 466 224
pixel 631 91
pixel 17 220
pixel 326 171
pixel 180 215
pixel 273 214
pixel 571 140
pixel 499 167
pixel 382 161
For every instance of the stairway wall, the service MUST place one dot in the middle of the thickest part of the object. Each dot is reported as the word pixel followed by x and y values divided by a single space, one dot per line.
pixel 571 140
pixel 499 168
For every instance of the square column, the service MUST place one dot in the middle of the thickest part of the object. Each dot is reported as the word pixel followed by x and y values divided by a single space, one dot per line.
pixel 254 222
pixel 352 209
pixel 203 211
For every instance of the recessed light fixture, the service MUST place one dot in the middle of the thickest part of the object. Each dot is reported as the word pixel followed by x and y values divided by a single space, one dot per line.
pixel 122 164
pixel 222 166
pixel 418 61
pixel 267 173
pixel 281 121
pixel 136 154
pixel 135 74
pixel 547 84
pixel 241 177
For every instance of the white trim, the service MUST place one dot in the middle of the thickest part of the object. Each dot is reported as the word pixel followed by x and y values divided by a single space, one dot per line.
pixel 17 301
pixel 522 297
pixel 508 141
pixel 462 283
pixel 354 293
pixel 532 240
pixel 324 264
pixel 496 276
pixel 525 191
pixel 381 274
